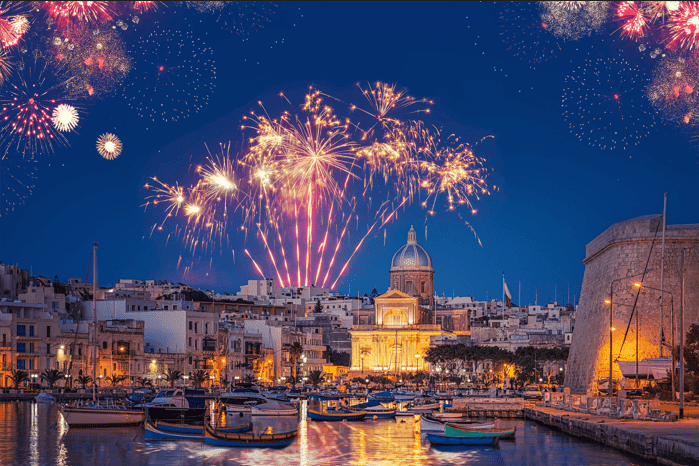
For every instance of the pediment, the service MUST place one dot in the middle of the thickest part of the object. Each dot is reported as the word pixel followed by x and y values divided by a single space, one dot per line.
pixel 394 294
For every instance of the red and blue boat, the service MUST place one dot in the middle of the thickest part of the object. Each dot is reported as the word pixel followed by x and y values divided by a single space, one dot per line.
pixel 247 439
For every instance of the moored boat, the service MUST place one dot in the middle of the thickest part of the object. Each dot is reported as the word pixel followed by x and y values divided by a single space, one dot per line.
pixel 101 415
pixel 443 439
pixel 463 431
pixel 44 398
pixel 241 399
pixel 248 440
pixel 384 397
pixel 152 432
pixel 430 425
pixel 273 408
pixel 336 416
pixel 177 404
pixel 193 429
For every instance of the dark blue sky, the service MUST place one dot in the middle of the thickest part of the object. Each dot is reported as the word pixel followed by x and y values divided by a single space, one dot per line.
pixel 556 193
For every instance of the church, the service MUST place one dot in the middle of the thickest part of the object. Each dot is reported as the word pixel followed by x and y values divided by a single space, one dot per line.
pixel 404 317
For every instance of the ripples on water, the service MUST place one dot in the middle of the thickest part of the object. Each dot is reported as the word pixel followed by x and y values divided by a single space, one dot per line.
pixel 31 435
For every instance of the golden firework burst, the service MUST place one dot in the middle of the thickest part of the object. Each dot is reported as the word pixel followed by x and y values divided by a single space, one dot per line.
pixel 109 146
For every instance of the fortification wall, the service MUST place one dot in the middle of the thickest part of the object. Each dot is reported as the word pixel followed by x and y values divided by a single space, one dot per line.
pixel 620 251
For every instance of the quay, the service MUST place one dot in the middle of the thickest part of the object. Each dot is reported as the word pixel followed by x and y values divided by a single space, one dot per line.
pixel 667 442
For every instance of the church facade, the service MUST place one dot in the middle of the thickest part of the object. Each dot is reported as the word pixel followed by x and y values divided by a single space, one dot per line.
pixel 403 330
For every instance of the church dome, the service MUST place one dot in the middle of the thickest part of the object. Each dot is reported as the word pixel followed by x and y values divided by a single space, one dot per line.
pixel 412 256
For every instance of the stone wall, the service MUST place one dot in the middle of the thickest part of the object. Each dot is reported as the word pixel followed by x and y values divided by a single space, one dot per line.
pixel 620 251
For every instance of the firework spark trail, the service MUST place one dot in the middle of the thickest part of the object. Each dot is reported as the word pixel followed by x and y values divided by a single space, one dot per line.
pixel 271 256
pixel 361 241
pixel 259 270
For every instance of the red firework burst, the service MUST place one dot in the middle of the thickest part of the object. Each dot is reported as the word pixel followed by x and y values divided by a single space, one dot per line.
pixel 683 26
pixel 67 13
pixel 144 7
pixel 634 19
pixel 13 23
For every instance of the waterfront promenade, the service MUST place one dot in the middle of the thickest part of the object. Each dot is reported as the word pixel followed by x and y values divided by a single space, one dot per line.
pixel 668 443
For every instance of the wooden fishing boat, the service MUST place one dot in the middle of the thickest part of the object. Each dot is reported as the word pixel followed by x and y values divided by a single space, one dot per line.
pixel 101 415
pixel 197 429
pixel 449 416
pixel 443 439
pixel 468 431
pixel 336 416
pixel 248 440
pixel 152 432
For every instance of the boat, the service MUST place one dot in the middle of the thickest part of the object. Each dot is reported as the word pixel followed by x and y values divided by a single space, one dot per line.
pixel 340 415
pixel 443 439
pixel 273 408
pixel 384 397
pixel 101 415
pixel 241 399
pixel 450 416
pixel 153 432
pixel 177 404
pixel 381 412
pixel 332 395
pixel 650 368
pixel 430 425
pixel 404 395
pixel 413 409
pixel 464 431
pixel 44 398
pixel 245 439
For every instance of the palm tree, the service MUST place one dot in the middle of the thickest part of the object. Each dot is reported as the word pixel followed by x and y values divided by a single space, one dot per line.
pixel 143 381
pixel 172 376
pixel 249 379
pixel 18 376
pixel 52 376
pixel 115 379
pixel 316 378
pixel 83 380
pixel 198 377
pixel 223 380
pixel 295 352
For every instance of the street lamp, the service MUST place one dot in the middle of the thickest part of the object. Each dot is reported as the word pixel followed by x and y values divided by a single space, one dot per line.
pixel 610 301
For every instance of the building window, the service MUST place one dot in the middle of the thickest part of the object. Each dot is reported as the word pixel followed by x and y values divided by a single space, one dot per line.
pixel 31 348
pixel 21 347
pixel 48 331
pixel 196 344
pixel 21 330
pixel 190 360
pixel 196 325
pixel 190 341
pixel 104 345
pixel 165 307
pixel 206 328
pixel 31 330
pixel 48 348
pixel 21 364
pixel 422 287
pixel 174 307
pixel 190 325
pixel 31 364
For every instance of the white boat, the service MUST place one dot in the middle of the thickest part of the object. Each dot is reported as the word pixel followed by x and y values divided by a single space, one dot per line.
pixel 241 400
pixel 101 415
pixel 449 416
pixel 656 368
pixel 273 408
pixel 430 425
pixel 403 395
pixel 44 398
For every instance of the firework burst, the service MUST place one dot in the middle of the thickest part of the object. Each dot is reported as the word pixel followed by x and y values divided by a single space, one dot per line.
pixel 525 34
pixel 673 89
pixel 65 117
pixel 13 22
pixel 174 75
pixel 683 26
pixel 573 20
pixel 109 146
pixel 604 103
pixel 96 58
pixel 17 176
pixel 634 20
pixel 74 14
pixel 32 93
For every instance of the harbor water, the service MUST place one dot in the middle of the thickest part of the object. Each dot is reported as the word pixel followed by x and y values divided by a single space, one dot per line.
pixel 35 434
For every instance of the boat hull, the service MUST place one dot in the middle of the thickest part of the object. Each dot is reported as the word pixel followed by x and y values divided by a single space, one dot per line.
pixel 442 439
pixel 317 416
pixel 82 417
pixel 177 414
pixel 427 425
pixel 476 433
pixel 274 412
pixel 246 440
pixel 153 433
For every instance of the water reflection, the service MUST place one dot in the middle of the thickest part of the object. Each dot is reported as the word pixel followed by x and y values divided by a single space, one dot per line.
pixel 35 434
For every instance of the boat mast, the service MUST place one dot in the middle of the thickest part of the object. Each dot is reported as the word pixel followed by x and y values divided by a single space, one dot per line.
pixel 94 322
pixel 662 272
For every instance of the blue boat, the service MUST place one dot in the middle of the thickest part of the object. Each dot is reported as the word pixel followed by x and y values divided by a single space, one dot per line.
pixel 248 440
pixel 195 429
pixel 337 416
pixel 153 433
pixel 443 439
pixel 384 397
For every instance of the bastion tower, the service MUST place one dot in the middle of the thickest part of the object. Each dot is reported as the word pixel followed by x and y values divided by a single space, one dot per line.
pixel 621 251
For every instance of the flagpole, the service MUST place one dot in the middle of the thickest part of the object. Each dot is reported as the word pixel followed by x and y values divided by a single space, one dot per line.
pixel 503 290
pixel 662 270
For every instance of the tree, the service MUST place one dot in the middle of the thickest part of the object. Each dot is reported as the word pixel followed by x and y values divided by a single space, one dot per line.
pixel 143 381
pixel 318 307
pixel 249 379
pixel 18 376
pixel 295 352
pixel 115 379
pixel 52 376
pixel 316 378
pixel 223 380
pixel 172 376
pixel 374 293
pixel 83 380
pixel 198 377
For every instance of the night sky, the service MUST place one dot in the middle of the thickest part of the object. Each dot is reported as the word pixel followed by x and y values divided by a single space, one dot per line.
pixel 556 193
